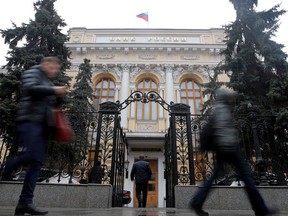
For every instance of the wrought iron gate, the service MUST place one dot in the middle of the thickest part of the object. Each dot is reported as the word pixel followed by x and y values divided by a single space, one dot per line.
pixel 184 163
pixel 111 149
pixel 111 144
pixel 178 151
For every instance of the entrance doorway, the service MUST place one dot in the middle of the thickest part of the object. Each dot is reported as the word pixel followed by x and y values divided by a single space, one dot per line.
pixel 152 197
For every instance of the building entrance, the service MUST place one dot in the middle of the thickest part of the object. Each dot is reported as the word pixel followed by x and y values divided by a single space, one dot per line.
pixel 152 197
pixel 178 149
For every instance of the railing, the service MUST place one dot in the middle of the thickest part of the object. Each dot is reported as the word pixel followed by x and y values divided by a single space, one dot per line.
pixel 67 163
pixel 264 146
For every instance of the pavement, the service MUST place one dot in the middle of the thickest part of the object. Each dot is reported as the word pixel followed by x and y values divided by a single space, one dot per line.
pixel 126 211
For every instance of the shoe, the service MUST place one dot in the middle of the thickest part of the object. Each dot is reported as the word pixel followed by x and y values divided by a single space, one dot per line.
pixel 269 212
pixel 6 177
pixel 29 209
pixel 198 210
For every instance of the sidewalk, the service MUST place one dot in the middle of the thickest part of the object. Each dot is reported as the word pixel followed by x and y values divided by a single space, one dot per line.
pixel 8 211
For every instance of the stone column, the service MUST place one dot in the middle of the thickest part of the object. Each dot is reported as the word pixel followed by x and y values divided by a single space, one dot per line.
pixel 169 87
pixel 124 93
pixel 161 110
pixel 133 104
pixel 169 84
pixel 178 96
pixel 116 96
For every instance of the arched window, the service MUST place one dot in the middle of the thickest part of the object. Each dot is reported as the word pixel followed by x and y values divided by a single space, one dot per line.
pixel 147 111
pixel 104 91
pixel 191 94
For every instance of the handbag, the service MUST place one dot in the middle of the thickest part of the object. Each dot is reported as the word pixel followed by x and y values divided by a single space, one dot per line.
pixel 63 129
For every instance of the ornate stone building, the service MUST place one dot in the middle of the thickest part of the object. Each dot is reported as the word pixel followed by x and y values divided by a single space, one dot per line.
pixel 172 62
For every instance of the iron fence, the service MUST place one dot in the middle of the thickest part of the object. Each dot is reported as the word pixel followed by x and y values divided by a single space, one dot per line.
pixel 264 146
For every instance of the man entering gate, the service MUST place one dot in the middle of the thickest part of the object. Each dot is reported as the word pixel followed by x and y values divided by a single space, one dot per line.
pixel 142 172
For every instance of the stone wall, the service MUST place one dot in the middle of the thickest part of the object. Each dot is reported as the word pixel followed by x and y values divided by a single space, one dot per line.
pixel 60 195
pixel 233 198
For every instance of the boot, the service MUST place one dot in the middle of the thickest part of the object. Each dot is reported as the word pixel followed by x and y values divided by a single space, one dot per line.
pixel 270 211
pixel 198 210
pixel 22 209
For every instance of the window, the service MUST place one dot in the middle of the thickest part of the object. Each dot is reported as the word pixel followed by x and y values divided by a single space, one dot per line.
pixel 104 92
pixel 191 94
pixel 147 111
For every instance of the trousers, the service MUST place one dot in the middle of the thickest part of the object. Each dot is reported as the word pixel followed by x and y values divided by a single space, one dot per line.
pixel 142 188
pixel 243 170
pixel 32 143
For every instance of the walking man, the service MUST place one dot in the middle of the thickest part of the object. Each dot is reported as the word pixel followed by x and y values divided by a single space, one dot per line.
pixel 31 129
pixel 142 172
pixel 228 151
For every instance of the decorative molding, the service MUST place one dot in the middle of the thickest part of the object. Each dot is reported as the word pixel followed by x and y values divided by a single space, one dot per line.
pixel 219 38
pixel 126 67
pixel 147 126
pixel 190 57
pixel 76 38
pixel 177 71
pixel 105 56
pixel 206 70
pixel 169 68
pixel 134 71
pixel 108 67
pixel 160 70
pixel 117 70
pixel 147 56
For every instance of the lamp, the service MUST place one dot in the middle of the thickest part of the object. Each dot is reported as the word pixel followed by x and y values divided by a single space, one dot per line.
pixel 126 166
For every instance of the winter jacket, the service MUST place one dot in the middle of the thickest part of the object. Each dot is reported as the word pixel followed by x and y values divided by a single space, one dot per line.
pixel 36 94
pixel 225 131
pixel 142 171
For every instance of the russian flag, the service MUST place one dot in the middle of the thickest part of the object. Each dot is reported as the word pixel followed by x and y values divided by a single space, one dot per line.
pixel 143 16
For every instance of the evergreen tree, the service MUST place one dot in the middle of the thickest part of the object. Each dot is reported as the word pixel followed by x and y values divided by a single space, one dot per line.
pixel 252 59
pixel 210 89
pixel 81 95
pixel 80 112
pixel 40 37
pixel 257 66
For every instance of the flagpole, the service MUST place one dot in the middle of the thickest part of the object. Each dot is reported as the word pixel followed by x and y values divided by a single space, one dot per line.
pixel 148 19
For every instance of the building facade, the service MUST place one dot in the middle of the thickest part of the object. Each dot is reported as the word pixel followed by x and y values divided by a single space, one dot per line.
pixel 172 62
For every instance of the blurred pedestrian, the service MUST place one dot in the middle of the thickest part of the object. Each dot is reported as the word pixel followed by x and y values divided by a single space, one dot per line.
pixel 34 111
pixel 227 150
pixel 142 172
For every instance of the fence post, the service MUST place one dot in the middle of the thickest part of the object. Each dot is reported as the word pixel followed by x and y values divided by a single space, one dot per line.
pixel 260 163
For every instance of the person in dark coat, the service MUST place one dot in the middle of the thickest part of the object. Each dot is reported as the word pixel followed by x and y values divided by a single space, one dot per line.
pixel 142 172
pixel 96 174
pixel 228 151
pixel 37 95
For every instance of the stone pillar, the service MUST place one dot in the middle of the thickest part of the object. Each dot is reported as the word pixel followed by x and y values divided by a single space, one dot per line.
pixel 169 87
pixel 116 96
pixel 178 96
pixel 124 93
pixel 161 110
pixel 169 84
pixel 133 105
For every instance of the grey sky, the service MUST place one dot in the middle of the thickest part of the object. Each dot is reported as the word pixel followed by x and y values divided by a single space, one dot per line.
pixel 199 14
